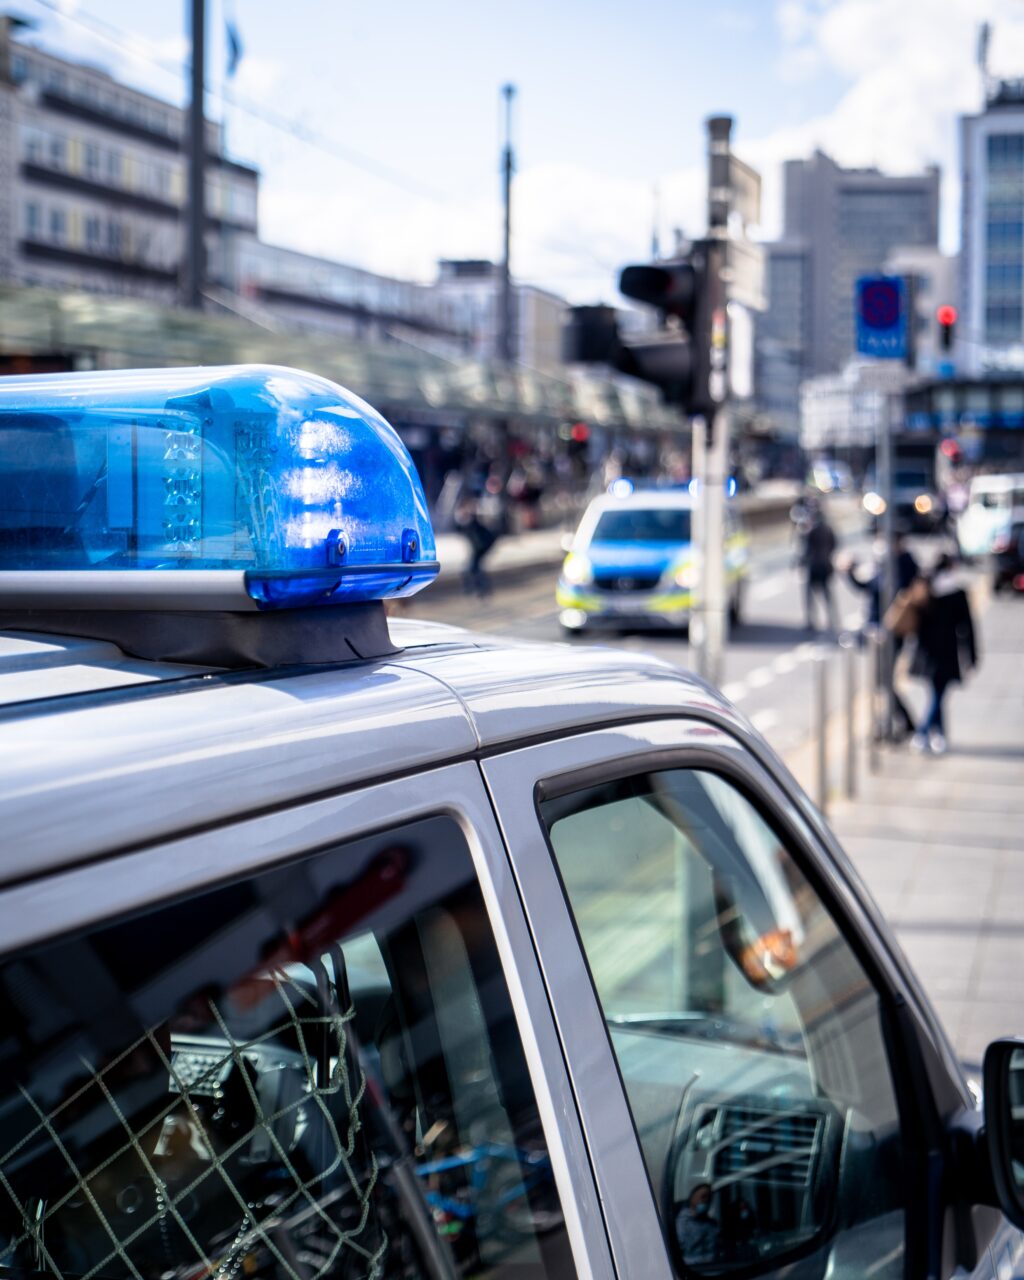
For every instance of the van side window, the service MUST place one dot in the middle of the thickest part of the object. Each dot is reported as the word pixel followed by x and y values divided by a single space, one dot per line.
pixel 748 1036
pixel 312 1073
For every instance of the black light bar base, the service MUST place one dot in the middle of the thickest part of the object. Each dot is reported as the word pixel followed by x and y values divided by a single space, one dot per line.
pixel 275 638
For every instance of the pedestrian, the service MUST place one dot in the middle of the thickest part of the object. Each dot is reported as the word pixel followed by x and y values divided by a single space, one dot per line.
pixel 906 571
pixel 946 648
pixel 481 538
pixel 696 1230
pixel 817 559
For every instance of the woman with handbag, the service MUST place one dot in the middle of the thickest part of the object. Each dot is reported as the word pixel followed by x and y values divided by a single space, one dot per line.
pixel 946 648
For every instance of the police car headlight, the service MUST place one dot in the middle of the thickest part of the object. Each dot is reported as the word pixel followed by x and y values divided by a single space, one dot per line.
pixel 923 504
pixel 874 504
pixel 577 570
pixel 686 576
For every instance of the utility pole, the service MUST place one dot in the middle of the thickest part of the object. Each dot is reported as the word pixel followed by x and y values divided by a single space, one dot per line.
pixel 195 242
pixel 709 622
pixel 506 346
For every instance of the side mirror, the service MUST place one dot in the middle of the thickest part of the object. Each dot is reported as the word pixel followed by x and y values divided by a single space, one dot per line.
pixel 1004 1124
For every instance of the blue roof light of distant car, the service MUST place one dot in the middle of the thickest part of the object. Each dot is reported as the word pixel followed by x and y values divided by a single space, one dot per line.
pixel 621 488
pixel 280 476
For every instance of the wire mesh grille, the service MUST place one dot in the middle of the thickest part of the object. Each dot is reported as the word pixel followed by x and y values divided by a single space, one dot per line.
pixel 146 1203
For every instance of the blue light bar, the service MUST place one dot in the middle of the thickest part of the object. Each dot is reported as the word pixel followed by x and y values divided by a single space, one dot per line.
pixel 239 487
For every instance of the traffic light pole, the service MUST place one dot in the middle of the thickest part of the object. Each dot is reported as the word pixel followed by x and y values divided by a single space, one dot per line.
pixel 709 624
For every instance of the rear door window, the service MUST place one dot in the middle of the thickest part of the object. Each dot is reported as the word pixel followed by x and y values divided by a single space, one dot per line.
pixel 313 1072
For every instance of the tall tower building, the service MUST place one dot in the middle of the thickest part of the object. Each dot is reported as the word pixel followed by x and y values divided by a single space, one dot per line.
pixel 849 221
pixel 992 226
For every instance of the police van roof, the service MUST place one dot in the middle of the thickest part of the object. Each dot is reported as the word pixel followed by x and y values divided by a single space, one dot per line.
pixel 102 753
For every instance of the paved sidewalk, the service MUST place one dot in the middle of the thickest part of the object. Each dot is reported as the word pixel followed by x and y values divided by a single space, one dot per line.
pixel 940 843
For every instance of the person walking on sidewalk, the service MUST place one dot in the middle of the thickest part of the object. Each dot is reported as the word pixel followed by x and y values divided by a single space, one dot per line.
pixel 946 648
pixel 907 571
pixel 481 539
pixel 818 550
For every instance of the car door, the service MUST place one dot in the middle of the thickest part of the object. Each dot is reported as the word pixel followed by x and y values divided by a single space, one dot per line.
pixel 759 1090
pixel 310 1044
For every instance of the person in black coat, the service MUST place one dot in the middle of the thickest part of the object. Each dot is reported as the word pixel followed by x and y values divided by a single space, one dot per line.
pixel 946 648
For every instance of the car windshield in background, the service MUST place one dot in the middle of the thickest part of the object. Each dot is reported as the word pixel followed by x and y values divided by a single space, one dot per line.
pixel 911 479
pixel 651 524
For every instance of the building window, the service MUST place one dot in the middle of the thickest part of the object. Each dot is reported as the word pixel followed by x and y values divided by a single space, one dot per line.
pixel 58 225
pixel 114 166
pixel 115 235
pixel 92 161
pixel 56 151
pixel 33 146
pixel 19 69
pixel 92 231
pixel 33 220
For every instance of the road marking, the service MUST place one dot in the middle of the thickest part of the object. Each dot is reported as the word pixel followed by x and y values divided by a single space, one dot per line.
pixel 784 664
pixel 759 677
pixel 765 720
pixel 805 651
pixel 734 692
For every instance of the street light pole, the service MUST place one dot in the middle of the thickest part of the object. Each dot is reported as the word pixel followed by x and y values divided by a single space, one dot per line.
pixel 195 245
pixel 506 346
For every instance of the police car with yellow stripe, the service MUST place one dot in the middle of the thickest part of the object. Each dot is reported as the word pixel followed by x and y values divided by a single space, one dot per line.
pixel 334 946
pixel 632 562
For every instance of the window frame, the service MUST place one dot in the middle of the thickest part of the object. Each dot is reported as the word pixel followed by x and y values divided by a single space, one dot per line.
pixel 71 901
pixel 547 771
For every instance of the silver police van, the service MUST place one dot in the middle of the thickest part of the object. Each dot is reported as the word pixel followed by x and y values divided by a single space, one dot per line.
pixel 340 946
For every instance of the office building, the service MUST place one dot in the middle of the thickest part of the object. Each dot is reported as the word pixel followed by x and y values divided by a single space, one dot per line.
pixel 849 220
pixel 992 230
pixel 93 184
pixel 781 337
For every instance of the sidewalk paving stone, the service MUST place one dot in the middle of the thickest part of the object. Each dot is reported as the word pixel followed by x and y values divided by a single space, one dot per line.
pixel 940 843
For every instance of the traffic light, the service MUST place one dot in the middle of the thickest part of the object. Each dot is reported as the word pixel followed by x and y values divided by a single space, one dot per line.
pixel 946 316
pixel 676 357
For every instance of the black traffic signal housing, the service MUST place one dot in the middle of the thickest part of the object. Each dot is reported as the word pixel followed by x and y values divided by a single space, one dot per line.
pixel 676 356
pixel 946 317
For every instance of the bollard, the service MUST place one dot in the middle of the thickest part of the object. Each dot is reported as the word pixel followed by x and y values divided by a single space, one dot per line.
pixel 848 643
pixel 822 700
pixel 875 676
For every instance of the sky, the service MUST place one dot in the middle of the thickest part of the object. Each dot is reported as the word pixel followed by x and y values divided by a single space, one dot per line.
pixel 377 127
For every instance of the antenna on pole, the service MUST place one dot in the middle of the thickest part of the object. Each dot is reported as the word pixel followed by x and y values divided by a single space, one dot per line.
pixel 984 40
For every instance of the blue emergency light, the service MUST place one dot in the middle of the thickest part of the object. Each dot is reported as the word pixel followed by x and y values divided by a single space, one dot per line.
pixel 235 488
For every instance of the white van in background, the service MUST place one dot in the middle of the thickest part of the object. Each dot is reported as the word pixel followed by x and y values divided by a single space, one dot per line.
pixel 989 512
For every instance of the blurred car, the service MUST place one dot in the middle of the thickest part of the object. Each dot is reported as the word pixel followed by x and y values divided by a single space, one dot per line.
pixel 989 513
pixel 918 505
pixel 1008 558
pixel 632 563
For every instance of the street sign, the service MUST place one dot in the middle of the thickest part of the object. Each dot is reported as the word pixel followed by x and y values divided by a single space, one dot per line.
pixel 881 316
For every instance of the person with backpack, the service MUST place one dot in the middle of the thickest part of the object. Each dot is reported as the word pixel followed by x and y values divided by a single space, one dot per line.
pixel 946 648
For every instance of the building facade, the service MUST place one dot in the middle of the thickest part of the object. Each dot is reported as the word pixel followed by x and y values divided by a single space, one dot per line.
pixel 849 221
pixel 471 287
pixel 933 276
pixel 842 414
pixel 92 181
pixel 992 229
pixel 782 337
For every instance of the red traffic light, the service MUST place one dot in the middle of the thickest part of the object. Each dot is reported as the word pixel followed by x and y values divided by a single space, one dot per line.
pixel 946 315
pixel 580 433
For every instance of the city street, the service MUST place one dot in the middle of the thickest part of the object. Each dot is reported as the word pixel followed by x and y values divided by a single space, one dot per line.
pixel 937 840
pixel 769 672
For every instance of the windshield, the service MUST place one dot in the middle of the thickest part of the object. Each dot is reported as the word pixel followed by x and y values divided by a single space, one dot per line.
pixel 911 479
pixel 640 524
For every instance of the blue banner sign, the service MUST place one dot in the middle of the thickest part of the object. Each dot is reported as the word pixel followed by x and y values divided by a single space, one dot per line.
pixel 881 314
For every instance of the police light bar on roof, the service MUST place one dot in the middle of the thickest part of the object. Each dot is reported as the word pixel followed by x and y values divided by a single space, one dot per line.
pixel 235 488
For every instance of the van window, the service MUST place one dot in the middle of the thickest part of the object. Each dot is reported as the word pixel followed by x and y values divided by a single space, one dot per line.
pixel 312 1073
pixel 748 1036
